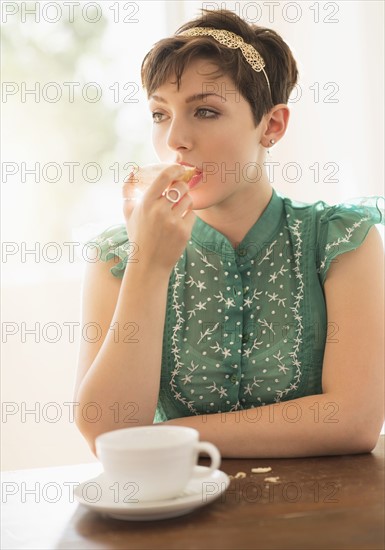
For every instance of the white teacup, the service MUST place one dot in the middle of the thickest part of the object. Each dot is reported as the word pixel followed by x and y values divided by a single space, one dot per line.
pixel 155 462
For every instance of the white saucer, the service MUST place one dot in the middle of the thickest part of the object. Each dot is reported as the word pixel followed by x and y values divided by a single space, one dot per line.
pixel 98 495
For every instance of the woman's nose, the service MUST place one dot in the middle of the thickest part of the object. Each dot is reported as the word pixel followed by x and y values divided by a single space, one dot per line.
pixel 179 135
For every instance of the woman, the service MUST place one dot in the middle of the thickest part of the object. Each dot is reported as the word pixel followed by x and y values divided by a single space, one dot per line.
pixel 250 317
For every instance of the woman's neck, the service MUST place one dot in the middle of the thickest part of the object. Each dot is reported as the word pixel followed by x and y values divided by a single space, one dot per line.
pixel 235 216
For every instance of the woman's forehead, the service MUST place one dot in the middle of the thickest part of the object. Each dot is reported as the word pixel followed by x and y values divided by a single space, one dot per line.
pixel 201 72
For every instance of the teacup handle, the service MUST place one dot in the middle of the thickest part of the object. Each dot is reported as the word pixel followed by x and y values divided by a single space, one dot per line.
pixel 214 454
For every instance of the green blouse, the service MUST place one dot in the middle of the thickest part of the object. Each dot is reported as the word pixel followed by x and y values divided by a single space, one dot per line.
pixel 247 326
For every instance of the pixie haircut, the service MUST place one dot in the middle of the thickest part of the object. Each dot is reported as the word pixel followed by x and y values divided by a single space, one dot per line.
pixel 170 56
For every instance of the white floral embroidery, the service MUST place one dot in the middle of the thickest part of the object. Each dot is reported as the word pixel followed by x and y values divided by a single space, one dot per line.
pixel 205 260
pixel 175 350
pixel 249 301
pixel 222 392
pixel 187 379
pixel 268 252
pixel 229 302
pixel 256 345
pixel 345 239
pixel 198 307
pixel 207 332
pixel 225 351
pixel 200 284
pixel 235 407
pixel 296 311
pixel 249 387
pixel 273 277
pixel 281 365
pixel 264 323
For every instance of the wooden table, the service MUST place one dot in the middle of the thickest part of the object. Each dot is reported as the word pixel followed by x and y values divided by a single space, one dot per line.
pixel 319 503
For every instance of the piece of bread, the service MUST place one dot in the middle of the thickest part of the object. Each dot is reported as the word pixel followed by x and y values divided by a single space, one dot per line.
pixel 146 174
pixel 189 173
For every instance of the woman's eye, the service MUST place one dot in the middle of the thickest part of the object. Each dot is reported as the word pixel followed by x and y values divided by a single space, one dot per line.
pixel 199 113
pixel 156 117
pixel 209 113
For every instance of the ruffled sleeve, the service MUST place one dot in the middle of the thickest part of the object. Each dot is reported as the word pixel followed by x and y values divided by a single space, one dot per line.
pixel 343 227
pixel 114 243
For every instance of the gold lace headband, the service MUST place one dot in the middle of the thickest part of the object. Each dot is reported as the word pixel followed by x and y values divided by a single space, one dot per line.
pixel 233 41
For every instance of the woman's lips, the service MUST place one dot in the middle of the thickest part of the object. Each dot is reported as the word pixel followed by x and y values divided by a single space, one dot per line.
pixel 196 178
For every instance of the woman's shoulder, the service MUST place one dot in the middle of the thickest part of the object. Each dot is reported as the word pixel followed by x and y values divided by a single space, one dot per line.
pixel 336 228
pixel 348 215
pixel 370 208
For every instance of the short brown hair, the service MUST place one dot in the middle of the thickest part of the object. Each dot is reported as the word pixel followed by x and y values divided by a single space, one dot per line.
pixel 170 56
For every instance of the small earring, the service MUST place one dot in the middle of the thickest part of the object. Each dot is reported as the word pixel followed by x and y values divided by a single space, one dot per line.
pixel 272 141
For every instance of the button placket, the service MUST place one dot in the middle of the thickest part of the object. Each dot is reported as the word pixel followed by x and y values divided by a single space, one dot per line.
pixel 237 326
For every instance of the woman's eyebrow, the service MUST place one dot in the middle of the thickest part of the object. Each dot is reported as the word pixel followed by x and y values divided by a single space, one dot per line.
pixel 190 99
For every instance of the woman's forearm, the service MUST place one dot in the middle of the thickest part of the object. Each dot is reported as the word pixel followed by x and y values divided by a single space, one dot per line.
pixel 309 426
pixel 123 380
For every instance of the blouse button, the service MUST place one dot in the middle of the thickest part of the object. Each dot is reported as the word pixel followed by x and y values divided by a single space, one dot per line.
pixel 233 378
pixel 245 338
pixel 242 252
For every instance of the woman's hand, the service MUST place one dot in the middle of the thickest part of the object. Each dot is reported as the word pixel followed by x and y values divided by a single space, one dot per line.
pixel 157 226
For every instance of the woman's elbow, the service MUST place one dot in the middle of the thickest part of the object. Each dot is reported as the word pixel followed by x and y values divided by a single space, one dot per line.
pixel 365 437
pixel 368 441
pixel 88 432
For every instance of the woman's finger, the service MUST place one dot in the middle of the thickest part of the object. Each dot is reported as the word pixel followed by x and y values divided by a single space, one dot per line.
pixel 165 178
pixel 129 186
pixel 182 205
pixel 129 194
pixel 175 192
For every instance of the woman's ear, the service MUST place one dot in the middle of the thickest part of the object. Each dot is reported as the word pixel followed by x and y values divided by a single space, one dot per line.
pixel 277 121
